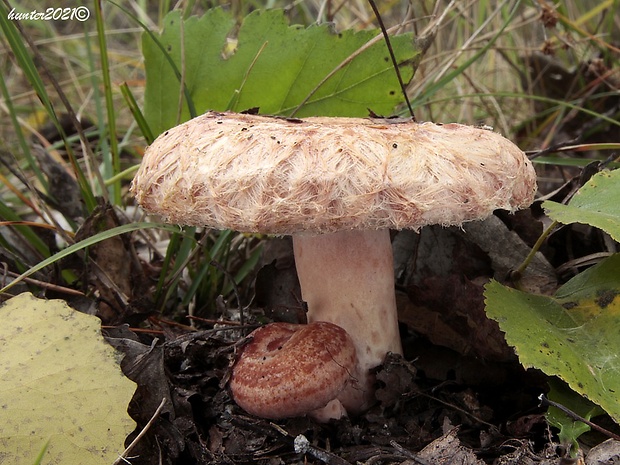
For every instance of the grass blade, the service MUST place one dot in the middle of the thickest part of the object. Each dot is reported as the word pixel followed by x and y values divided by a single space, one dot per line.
pixel 126 228
pixel 107 85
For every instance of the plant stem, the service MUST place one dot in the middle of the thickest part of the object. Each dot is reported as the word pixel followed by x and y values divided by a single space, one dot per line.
pixel 519 271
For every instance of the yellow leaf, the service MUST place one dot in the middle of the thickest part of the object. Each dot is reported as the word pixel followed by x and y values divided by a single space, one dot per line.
pixel 60 384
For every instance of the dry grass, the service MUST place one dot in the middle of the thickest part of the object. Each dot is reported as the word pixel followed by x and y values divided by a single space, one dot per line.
pixel 476 95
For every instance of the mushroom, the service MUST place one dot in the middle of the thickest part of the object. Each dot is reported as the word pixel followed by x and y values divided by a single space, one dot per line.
pixel 338 185
pixel 323 357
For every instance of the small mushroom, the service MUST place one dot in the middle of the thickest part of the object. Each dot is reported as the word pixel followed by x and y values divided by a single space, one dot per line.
pixel 337 185
pixel 323 357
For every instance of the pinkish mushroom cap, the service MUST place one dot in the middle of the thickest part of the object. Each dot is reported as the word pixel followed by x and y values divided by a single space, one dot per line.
pixel 320 175
pixel 263 383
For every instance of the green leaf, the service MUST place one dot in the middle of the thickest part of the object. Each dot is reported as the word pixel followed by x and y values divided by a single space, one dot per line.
pixel 60 386
pixel 271 65
pixel 597 203
pixel 574 335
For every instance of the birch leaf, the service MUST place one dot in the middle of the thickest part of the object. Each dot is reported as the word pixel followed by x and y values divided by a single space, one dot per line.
pixel 60 385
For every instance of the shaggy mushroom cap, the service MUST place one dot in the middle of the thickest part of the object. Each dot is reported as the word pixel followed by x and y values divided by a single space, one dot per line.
pixel 337 185
pixel 280 176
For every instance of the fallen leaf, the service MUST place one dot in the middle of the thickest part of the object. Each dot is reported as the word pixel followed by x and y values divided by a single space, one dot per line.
pixel 60 385
pixel 448 450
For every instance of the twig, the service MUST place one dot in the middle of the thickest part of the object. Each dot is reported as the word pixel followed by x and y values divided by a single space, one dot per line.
pixel 459 409
pixel 554 148
pixel 206 333
pixel 52 287
pixel 408 454
pixel 388 43
pixel 389 458
pixel 303 446
pixel 516 275
pixel 213 321
pixel 141 434
pixel 545 402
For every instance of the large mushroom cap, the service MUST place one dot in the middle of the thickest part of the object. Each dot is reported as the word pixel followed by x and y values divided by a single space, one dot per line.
pixel 280 176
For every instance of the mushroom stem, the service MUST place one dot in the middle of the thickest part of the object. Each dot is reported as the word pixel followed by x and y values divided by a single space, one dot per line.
pixel 347 278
